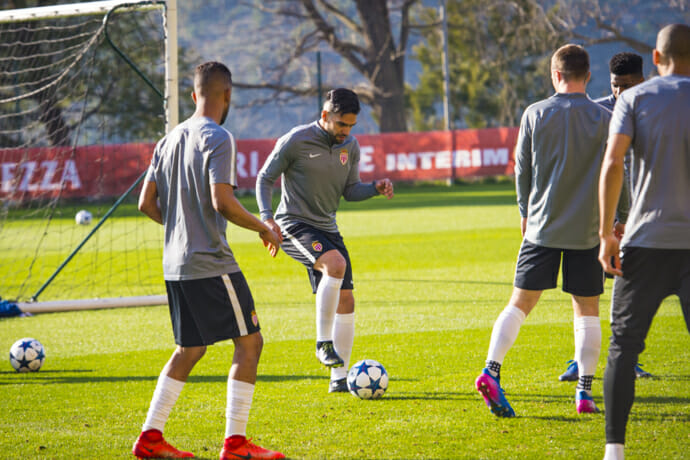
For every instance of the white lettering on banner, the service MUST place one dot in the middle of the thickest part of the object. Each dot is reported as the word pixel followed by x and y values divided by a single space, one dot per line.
pixel 50 168
pixel 8 176
pixel 493 157
pixel 473 158
pixel 70 174
pixel 365 158
pixel 28 182
pixel 28 172
pixel 253 164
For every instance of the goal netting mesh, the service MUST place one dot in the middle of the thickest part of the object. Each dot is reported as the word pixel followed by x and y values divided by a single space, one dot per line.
pixel 77 126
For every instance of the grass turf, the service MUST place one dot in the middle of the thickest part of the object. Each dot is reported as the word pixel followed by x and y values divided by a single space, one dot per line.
pixel 433 268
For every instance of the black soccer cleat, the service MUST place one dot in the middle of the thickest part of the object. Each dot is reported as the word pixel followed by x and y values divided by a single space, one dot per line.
pixel 338 386
pixel 325 352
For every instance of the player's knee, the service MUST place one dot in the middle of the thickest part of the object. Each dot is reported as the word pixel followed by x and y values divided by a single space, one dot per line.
pixel 250 346
pixel 332 264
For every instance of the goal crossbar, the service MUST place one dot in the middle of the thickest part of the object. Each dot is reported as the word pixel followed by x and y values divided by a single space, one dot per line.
pixel 57 11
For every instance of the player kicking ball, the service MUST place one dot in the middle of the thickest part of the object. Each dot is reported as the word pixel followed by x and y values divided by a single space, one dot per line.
pixel 318 164
pixel 557 159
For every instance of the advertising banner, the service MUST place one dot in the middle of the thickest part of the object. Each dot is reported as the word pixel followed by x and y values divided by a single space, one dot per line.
pixel 96 172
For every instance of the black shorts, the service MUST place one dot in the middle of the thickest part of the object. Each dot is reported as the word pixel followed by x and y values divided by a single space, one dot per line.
pixel 537 269
pixel 649 276
pixel 305 244
pixel 208 310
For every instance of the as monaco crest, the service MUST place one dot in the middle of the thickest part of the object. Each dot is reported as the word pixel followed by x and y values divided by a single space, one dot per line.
pixel 343 157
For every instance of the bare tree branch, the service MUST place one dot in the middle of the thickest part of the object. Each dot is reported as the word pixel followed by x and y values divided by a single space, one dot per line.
pixel 352 25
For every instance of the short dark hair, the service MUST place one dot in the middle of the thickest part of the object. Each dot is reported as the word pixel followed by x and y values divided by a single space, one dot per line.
pixel 341 100
pixel 572 61
pixel 626 64
pixel 204 73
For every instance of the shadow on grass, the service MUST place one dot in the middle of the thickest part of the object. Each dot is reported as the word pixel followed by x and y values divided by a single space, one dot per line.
pixel 53 376
pixel 430 396
pixel 493 283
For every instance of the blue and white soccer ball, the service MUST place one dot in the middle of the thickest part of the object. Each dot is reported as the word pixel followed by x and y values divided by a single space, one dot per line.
pixel 83 217
pixel 367 379
pixel 27 355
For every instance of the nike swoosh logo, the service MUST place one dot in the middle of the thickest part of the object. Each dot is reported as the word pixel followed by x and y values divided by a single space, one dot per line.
pixel 245 457
pixel 314 155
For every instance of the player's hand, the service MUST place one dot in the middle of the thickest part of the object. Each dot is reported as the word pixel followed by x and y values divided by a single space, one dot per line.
pixel 523 226
pixel 609 257
pixel 385 187
pixel 272 237
pixel 618 230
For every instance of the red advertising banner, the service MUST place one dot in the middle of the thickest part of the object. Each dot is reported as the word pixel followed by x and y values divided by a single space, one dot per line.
pixel 96 172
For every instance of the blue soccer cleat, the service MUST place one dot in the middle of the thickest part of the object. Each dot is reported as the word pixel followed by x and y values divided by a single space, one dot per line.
pixel 641 373
pixel 571 373
pixel 493 394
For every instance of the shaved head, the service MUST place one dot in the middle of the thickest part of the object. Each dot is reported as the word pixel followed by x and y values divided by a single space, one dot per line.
pixel 211 79
pixel 673 42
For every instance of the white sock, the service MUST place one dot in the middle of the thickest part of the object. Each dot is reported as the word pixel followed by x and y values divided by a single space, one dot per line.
pixel 327 297
pixel 164 397
pixel 343 338
pixel 240 396
pixel 614 452
pixel 587 343
pixel 504 333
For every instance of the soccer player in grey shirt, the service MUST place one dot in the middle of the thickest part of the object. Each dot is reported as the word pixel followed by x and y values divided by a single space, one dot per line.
pixel 557 159
pixel 319 163
pixel 189 190
pixel 626 71
pixel 653 117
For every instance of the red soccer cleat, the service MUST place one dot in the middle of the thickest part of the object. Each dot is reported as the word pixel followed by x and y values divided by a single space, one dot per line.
pixel 245 450
pixel 150 444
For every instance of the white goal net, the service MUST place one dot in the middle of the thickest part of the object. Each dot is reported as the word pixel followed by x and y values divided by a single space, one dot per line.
pixel 77 125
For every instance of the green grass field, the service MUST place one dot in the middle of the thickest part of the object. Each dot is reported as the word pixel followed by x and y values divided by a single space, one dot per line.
pixel 433 268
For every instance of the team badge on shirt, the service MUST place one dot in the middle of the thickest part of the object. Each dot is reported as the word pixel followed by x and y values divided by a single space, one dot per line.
pixel 318 247
pixel 255 318
pixel 343 156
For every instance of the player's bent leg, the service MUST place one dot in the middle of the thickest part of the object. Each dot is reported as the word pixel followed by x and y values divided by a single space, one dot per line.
pixel 332 266
pixel 183 361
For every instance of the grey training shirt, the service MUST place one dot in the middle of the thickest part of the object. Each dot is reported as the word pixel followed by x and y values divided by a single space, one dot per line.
pixel 557 161
pixel 624 202
pixel 656 115
pixel 314 174
pixel 194 155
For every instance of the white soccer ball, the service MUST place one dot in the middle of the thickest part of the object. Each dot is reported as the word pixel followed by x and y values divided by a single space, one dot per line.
pixel 367 379
pixel 83 217
pixel 27 355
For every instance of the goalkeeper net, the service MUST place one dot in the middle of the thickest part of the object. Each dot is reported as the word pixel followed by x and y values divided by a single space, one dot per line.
pixel 77 127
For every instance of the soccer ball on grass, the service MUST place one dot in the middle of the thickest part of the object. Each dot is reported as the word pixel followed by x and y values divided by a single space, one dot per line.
pixel 27 355
pixel 367 379
pixel 83 217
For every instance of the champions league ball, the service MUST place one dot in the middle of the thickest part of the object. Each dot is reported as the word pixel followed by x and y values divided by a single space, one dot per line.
pixel 83 217
pixel 367 379
pixel 27 355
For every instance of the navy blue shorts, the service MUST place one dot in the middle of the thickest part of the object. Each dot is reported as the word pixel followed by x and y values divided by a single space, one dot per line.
pixel 208 310
pixel 306 244
pixel 537 269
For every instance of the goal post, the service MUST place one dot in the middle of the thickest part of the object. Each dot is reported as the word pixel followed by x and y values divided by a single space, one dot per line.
pixel 60 130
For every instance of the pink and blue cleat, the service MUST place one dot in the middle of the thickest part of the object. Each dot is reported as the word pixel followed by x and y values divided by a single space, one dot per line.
pixel 585 403
pixel 493 394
